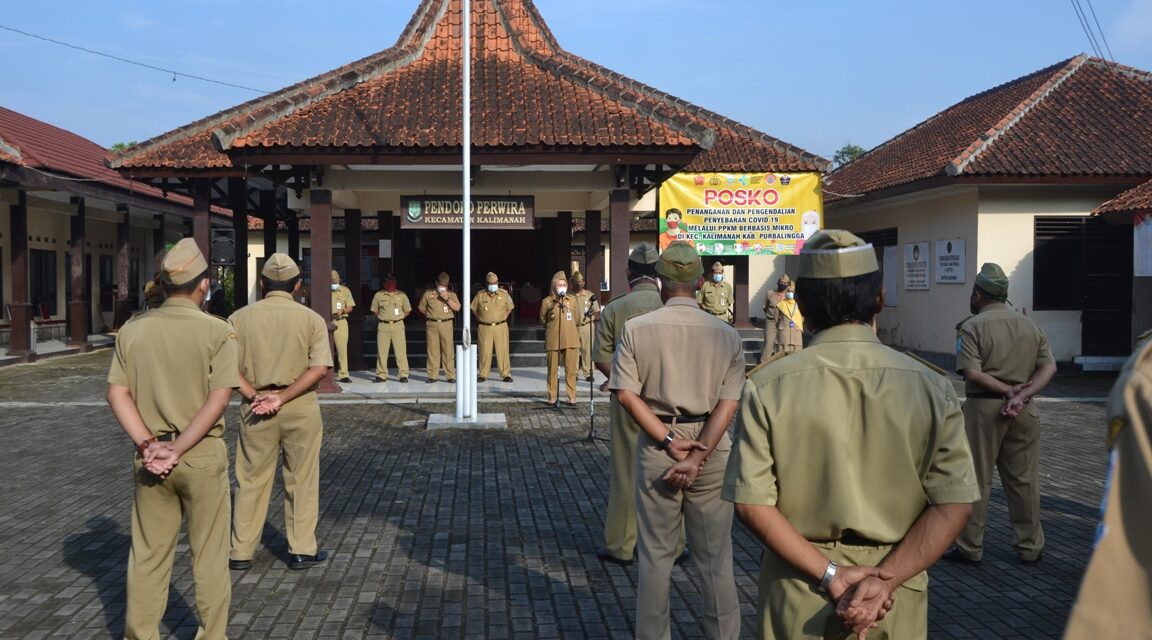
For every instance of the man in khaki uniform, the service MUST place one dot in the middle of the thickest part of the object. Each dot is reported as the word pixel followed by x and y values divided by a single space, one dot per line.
pixel 715 296
pixel 169 383
pixel 588 308
pixel 789 323
pixel 1116 596
pixel 772 315
pixel 620 519
pixel 561 341
pixel 857 489
pixel 1005 360
pixel 683 444
pixel 492 307
pixel 283 353
pixel 342 305
pixel 391 308
pixel 439 306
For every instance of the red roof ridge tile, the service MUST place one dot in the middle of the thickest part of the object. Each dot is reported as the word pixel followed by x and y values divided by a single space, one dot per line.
pixel 978 146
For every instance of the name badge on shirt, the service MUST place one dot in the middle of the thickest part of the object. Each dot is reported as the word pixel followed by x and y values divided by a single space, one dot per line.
pixel 569 316
pixel 791 324
pixel 339 306
pixel 445 308
pixel 396 311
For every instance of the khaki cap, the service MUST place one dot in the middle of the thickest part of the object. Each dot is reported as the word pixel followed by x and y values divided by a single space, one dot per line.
pixel 442 278
pixel 835 253
pixel 644 253
pixel 680 262
pixel 183 262
pixel 577 277
pixel 717 267
pixel 991 280
pixel 784 281
pixel 280 268
pixel 335 277
pixel 491 278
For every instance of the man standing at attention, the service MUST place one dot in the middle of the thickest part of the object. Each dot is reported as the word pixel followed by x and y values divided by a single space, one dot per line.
pixel 771 316
pixel 342 305
pixel 169 383
pixel 715 296
pixel 283 353
pixel 1005 360
pixel 558 315
pixel 589 308
pixel 857 490
pixel 439 307
pixel 683 443
pixel 391 307
pixel 492 307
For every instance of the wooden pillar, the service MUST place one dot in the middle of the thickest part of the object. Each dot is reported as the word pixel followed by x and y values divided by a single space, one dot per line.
pixel 739 292
pixel 621 221
pixel 122 306
pixel 593 255
pixel 353 248
pixel 78 304
pixel 320 212
pixel 20 344
pixel 384 231
pixel 201 216
pixel 564 241
pixel 268 213
pixel 238 203
pixel 294 236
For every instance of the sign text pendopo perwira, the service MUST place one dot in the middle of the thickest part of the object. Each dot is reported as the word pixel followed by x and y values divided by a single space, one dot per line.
pixel 447 212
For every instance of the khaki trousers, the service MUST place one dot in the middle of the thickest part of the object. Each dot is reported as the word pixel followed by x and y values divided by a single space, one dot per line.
pixel 570 360
pixel 441 351
pixel 707 520
pixel 296 431
pixel 1012 446
pixel 494 337
pixel 586 337
pixel 340 339
pixel 390 335
pixel 620 521
pixel 197 489
pixel 769 347
pixel 789 607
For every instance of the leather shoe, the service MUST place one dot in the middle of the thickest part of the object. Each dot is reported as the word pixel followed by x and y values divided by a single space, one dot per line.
pixel 479 379
pixel 603 555
pixel 429 380
pixel 345 379
pixel 1033 562
pixel 451 381
pixel 507 378
pixel 553 403
pixel 589 379
pixel 404 379
pixel 300 561
pixel 239 565
pixel 955 555
pixel 684 556
pixel 379 379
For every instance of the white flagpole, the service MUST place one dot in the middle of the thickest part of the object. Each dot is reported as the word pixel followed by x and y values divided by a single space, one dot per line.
pixel 466 406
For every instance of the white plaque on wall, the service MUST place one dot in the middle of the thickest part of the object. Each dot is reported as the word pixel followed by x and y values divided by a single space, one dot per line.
pixel 950 261
pixel 916 266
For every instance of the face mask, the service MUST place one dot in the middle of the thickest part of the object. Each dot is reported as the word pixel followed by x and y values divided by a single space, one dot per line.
pixel 493 287
pixel 718 277
pixel 790 295
pixel 673 224
pixel 441 289
pixel 561 290
pixel 391 286
pixel 335 286
pixel 576 286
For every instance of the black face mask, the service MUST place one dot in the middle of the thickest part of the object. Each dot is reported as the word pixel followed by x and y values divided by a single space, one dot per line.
pixel 972 305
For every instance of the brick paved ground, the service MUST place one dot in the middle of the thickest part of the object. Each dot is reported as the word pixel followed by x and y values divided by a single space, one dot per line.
pixel 446 534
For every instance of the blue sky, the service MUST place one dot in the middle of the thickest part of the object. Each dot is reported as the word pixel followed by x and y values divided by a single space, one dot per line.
pixel 817 75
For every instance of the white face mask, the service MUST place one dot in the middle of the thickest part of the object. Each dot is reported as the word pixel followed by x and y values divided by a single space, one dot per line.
pixel 492 288
pixel 335 286
pixel 717 277
pixel 789 295
pixel 561 290
pixel 441 289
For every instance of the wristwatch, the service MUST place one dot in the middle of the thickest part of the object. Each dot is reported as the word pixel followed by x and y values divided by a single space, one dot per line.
pixel 829 575
pixel 667 441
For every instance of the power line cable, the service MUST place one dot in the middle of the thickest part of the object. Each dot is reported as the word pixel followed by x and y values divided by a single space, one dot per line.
pixel 134 62
pixel 1101 31
pixel 1084 27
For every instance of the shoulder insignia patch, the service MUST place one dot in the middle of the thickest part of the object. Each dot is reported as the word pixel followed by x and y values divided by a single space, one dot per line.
pixel 772 358
pixel 1115 428
pixel 926 363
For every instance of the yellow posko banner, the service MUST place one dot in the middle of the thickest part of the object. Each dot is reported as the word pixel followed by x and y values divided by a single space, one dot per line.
pixel 735 214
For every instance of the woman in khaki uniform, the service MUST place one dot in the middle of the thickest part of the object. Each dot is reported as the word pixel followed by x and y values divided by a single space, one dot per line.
pixel 558 315
pixel 492 308
pixel 342 306
pixel 171 376
pixel 391 307
pixel 789 323
pixel 439 307
pixel 283 353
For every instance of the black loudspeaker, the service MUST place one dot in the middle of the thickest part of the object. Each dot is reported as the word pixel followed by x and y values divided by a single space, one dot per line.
pixel 223 247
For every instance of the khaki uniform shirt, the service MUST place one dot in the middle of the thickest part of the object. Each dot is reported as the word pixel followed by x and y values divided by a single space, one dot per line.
pixel 389 306
pixel 850 435
pixel 559 320
pixel 170 359
pixel 278 340
pixel 342 302
pixel 657 348
pixel 643 298
pixel 1003 343
pixel 715 298
pixel 586 301
pixel 435 309
pixel 1116 596
pixel 491 308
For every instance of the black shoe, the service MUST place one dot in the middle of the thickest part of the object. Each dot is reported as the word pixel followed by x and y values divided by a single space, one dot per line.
pixel 684 556
pixel 379 379
pixel 956 555
pixel 451 380
pixel 1033 562
pixel 239 565
pixel 345 379
pixel 479 379
pixel 429 381
pixel 589 379
pixel 604 556
pixel 404 379
pixel 553 403
pixel 570 403
pixel 298 561
pixel 507 378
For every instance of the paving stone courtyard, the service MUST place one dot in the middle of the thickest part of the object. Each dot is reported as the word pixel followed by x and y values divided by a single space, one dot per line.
pixel 449 534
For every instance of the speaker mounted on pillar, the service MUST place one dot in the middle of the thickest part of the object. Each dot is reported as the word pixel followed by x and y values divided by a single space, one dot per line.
pixel 222 248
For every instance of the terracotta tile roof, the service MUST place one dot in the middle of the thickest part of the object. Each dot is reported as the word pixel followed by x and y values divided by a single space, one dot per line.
pixel 339 223
pixel 528 94
pixel 1079 118
pixel 1136 199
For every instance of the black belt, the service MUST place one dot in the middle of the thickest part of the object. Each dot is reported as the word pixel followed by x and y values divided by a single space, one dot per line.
pixel 440 319
pixel 854 539
pixel 168 437
pixel 989 395
pixel 683 419
pixel 718 313
pixel 492 324
pixel 273 387
pixel 391 321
